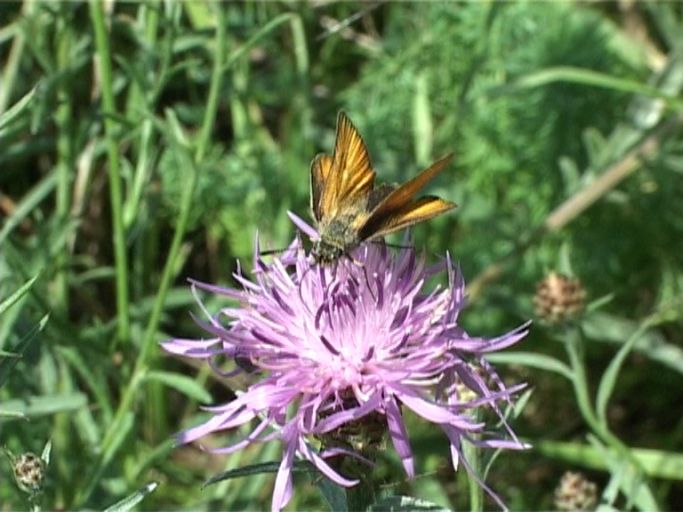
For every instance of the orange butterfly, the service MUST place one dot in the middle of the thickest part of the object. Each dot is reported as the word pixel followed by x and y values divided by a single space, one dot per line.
pixel 347 207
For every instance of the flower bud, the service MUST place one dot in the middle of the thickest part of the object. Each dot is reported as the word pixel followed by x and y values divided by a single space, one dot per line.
pixel 559 298
pixel 575 492
pixel 29 472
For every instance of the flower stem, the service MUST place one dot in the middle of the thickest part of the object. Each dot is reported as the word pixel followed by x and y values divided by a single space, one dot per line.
pixel 472 454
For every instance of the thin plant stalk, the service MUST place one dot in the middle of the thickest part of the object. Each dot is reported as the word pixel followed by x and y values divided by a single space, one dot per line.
pixel 141 366
pixel 65 160
pixel 473 456
pixel 108 110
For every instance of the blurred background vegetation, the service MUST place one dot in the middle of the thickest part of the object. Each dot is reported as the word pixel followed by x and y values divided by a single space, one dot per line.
pixel 142 144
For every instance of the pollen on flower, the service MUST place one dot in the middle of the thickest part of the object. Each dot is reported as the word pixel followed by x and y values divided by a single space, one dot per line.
pixel 341 355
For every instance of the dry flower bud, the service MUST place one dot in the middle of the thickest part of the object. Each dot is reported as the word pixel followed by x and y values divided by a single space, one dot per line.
pixel 29 472
pixel 575 492
pixel 559 298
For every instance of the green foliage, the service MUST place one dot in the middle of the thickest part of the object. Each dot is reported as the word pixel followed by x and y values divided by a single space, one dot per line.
pixel 208 135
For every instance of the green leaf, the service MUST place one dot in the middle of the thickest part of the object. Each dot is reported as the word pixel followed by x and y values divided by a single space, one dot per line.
pixel 45 454
pixel 94 382
pixel 256 38
pixel 28 203
pixel 631 481
pixel 422 121
pixel 11 414
pixel 586 77
pixel 257 469
pixel 126 425
pixel 45 404
pixel 8 363
pixel 16 110
pixel 609 378
pixel 532 360
pixel 186 385
pixel 406 503
pixel 656 463
pixel 613 329
pixel 12 299
pixel 128 503
pixel 606 508
pixel 334 495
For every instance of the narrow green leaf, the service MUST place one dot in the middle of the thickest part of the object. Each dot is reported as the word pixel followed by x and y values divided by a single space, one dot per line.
pixel 12 299
pixel 199 14
pixel 606 508
pixel 604 327
pixel 586 77
pixel 532 360
pixel 609 378
pixel 422 121
pixel 257 469
pixel 119 437
pixel 599 302
pixel 45 454
pixel 656 463
pixel 334 495
pixel 45 404
pixel 128 503
pixel 10 414
pixel 256 38
pixel 16 110
pixel 28 203
pixel 404 503
pixel 187 386
pixel 631 481
pixel 7 364
pixel 95 383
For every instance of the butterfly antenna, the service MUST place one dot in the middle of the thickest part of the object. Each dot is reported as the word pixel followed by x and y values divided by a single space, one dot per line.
pixel 270 252
pixel 393 246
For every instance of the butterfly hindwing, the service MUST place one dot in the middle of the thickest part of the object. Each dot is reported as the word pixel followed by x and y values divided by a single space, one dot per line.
pixel 400 208
pixel 416 211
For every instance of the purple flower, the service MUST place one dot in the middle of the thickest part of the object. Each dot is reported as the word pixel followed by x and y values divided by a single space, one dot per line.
pixel 334 345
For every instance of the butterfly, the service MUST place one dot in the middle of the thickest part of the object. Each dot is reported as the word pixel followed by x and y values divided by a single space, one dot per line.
pixel 347 207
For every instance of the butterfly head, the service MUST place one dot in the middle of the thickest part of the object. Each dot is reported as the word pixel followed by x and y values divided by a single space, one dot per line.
pixel 325 252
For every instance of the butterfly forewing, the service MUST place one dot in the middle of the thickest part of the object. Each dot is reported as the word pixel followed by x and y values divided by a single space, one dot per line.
pixel 350 178
pixel 320 170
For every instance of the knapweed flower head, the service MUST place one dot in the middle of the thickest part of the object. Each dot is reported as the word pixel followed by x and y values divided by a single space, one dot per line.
pixel 332 346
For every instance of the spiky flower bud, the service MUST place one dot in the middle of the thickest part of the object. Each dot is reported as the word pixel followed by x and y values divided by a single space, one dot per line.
pixel 559 298
pixel 575 492
pixel 29 472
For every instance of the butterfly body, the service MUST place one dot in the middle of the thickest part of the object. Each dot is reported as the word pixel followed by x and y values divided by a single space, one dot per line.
pixel 349 209
pixel 338 236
